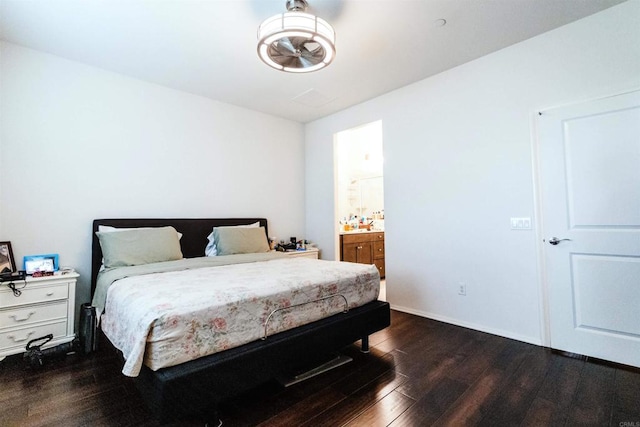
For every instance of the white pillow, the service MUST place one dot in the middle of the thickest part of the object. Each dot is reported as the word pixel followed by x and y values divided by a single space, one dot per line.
pixel 240 240
pixel 137 246
pixel 109 229
pixel 211 249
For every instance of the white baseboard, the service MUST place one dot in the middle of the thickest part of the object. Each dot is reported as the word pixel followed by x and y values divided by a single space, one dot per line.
pixel 474 326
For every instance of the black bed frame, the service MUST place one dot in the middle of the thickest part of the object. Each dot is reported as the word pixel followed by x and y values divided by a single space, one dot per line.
pixel 193 389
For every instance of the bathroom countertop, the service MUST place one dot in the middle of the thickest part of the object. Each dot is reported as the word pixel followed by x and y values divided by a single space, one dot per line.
pixel 360 231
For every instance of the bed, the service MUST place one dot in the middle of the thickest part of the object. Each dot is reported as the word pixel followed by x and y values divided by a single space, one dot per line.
pixel 193 388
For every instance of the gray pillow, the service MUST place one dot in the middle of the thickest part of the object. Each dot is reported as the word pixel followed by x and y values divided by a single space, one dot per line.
pixel 240 240
pixel 139 246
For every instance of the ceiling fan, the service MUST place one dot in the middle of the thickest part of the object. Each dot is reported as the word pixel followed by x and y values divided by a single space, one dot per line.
pixel 296 41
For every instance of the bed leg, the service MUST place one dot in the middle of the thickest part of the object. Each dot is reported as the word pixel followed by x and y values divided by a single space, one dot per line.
pixel 364 346
pixel 215 422
pixel 213 418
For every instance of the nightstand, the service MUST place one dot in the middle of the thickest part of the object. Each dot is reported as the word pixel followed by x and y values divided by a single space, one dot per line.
pixel 308 253
pixel 46 305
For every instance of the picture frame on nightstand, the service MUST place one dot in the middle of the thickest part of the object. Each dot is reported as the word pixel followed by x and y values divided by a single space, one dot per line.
pixel 7 263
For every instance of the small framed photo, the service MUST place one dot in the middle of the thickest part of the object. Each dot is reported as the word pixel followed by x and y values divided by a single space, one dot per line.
pixel 7 264
pixel 41 263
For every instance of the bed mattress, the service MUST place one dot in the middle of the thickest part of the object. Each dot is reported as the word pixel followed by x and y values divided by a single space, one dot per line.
pixel 167 318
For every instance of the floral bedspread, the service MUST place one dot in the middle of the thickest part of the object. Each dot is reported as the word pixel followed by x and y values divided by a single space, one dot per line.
pixel 164 319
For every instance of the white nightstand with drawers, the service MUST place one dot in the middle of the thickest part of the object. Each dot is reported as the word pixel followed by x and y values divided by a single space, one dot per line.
pixel 45 305
pixel 308 253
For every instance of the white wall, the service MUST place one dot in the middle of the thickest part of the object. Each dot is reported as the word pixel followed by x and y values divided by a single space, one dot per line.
pixel 458 165
pixel 1 114
pixel 80 143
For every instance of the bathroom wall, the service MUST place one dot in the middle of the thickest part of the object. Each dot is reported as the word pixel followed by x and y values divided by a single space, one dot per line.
pixel 359 171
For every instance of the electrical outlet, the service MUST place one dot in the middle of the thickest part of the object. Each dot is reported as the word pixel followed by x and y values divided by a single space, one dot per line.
pixel 462 289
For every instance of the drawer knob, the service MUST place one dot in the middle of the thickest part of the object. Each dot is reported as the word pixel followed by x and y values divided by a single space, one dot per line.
pixel 380 250
pixel 50 293
pixel 22 319
pixel 21 339
pixel 359 247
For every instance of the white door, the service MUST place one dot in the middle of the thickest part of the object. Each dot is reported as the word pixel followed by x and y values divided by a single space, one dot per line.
pixel 589 164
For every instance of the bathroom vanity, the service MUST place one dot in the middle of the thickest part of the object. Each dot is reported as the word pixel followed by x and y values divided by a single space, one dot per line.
pixel 363 247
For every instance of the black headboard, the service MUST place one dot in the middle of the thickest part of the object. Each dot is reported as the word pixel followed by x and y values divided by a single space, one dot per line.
pixel 194 234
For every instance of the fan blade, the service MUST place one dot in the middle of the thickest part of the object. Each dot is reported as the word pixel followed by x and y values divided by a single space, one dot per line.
pixel 311 57
pixel 278 57
pixel 286 60
pixel 311 46
pixel 296 52
pixel 315 54
pixel 283 58
pixel 292 62
pixel 285 45
pixel 306 62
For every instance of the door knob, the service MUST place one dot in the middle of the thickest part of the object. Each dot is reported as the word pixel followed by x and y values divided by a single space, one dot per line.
pixel 554 240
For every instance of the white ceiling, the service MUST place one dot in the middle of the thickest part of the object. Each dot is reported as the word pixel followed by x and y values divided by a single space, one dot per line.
pixel 208 47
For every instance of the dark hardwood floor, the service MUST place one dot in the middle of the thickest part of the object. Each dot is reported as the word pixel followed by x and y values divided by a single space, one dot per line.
pixel 420 372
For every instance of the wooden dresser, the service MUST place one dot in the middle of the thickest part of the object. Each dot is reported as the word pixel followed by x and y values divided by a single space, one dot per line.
pixel 365 247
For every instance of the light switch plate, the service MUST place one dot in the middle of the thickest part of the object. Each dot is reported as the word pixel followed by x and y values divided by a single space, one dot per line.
pixel 521 223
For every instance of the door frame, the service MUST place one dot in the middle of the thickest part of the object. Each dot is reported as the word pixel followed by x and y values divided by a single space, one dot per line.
pixel 336 189
pixel 543 282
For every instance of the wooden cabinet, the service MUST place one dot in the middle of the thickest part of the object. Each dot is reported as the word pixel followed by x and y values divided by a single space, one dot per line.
pixel 363 248
pixel 378 254
pixel 40 306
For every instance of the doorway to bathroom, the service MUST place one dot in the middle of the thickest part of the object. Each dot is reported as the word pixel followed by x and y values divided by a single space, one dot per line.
pixel 359 194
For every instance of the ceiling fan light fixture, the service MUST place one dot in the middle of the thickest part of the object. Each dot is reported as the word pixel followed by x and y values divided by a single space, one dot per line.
pixel 296 41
